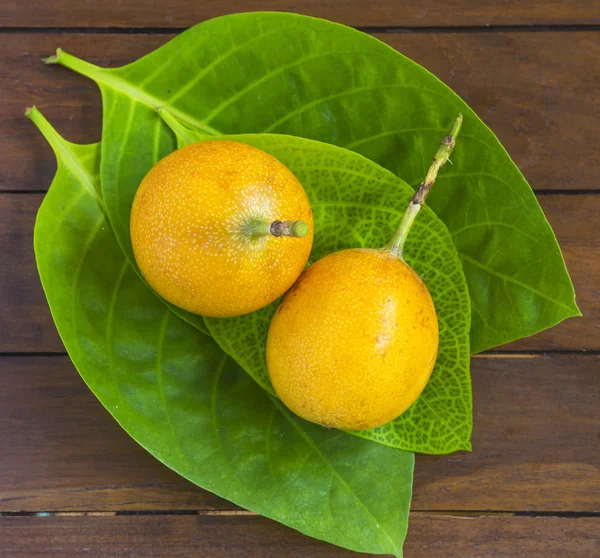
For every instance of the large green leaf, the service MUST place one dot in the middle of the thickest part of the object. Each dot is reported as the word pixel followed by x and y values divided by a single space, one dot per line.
pixel 356 203
pixel 290 74
pixel 179 396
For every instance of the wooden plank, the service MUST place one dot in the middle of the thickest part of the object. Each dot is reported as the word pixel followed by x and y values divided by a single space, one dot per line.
pixel 60 450
pixel 535 439
pixel 435 536
pixel 575 219
pixel 24 313
pixel 410 13
pixel 537 97
pixel 535 445
pixel 535 90
pixel 429 536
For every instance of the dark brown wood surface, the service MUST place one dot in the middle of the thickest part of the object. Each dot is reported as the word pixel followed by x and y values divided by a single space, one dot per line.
pixel 383 13
pixel 532 484
pixel 61 451
pixel 230 536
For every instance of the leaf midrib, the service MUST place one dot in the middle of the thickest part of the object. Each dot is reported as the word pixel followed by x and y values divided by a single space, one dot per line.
pixel 509 279
pixel 311 444
pixel 108 78
pixel 61 148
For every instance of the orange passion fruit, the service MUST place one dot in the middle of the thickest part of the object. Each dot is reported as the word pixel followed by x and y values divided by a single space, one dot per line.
pixel 354 342
pixel 221 228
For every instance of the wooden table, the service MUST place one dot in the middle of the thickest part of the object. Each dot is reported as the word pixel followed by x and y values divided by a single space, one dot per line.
pixel 72 483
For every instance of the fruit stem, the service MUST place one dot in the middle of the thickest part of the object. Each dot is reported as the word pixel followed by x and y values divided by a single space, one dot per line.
pixel 442 155
pixel 297 229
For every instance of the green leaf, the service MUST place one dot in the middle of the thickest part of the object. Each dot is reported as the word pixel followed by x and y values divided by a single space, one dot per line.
pixel 180 397
pixel 356 203
pixel 290 74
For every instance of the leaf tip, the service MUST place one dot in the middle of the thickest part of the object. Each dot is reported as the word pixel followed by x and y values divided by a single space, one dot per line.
pixel 35 116
pixel 42 124
pixel 55 58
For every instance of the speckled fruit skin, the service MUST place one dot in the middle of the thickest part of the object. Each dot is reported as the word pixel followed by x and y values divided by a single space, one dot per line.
pixel 354 342
pixel 188 228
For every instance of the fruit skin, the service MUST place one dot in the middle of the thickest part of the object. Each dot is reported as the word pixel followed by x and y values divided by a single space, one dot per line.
pixel 189 228
pixel 354 342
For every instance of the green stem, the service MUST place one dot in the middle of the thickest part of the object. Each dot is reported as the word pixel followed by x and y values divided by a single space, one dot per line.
pixel 181 132
pixel 76 64
pixel 442 155
pixel 56 141
pixel 296 229
pixel 65 153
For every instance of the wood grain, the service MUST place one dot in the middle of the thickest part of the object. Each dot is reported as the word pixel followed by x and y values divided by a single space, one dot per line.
pixel 24 312
pixel 535 445
pixel 429 536
pixel 60 450
pixel 535 438
pixel 410 13
pixel 535 90
pixel 435 536
pixel 576 220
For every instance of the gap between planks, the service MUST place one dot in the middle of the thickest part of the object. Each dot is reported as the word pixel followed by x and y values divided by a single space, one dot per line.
pixel 531 28
pixel 466 514
pixel 541 192
pixel 491 354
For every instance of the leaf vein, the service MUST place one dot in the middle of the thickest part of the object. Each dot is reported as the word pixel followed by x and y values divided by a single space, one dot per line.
pixel 311 444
